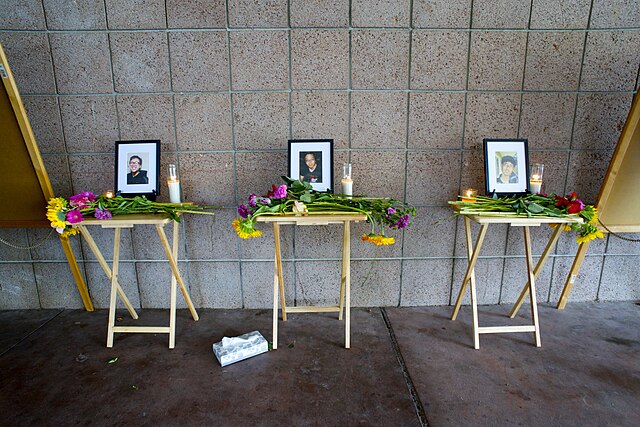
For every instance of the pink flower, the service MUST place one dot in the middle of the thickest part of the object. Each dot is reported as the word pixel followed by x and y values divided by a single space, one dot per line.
pixel 82 200
pixel 74 216
pixel 281 192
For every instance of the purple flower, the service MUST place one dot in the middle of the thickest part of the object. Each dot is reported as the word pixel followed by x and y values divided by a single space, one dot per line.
pixel 403 221
pixel 281 192
pixel 82 200
pixel 102 214
pixel 264 200
pixel 391 211
pixel 244 211
pixel 74 216
pixel 253 201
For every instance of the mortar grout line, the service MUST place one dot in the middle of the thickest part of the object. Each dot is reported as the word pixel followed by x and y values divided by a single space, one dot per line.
pixel 413 392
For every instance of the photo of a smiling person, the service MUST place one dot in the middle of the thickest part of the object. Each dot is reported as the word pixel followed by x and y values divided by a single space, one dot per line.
pixel 508 169
pixel 137 175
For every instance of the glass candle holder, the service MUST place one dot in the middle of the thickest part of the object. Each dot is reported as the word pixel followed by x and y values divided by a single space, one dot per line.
pixel 469 195
pixel 109 194
pixel 535 180
pixel 347 182
pixel 174 184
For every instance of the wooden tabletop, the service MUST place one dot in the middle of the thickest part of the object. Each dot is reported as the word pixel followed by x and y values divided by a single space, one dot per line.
pixel 126 220
pixel 313 219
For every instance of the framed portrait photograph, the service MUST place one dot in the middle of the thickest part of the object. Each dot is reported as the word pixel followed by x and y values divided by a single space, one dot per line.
pixel 311 160
pixel 506 166
pixel 137 169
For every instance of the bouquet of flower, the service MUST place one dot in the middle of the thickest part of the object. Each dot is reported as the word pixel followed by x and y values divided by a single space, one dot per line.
pixel 533 205
pixel 62 212
pixel 298 198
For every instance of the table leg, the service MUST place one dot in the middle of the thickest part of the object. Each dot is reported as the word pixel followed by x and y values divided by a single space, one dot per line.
pixel 346 242
pixel 573 274
pixel 172 304
pixel 543 259
pixel 343 279
pixel 105 267
pixel 532 285
pixel 114 286
pixel 176 271
pixel 276 282
pixel 278 252
pixel 472 258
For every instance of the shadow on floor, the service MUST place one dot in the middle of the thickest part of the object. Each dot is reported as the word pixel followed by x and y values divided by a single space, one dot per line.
pixel 406 367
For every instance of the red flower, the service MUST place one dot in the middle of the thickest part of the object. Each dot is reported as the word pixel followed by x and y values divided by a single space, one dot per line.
pixel 575 206
pixel 561 201
pixel 273 190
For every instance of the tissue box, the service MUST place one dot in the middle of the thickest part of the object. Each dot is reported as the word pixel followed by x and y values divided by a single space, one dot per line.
pixel 231 350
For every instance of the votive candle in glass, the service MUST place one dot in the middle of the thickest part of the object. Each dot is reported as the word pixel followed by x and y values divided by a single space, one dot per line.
pixel 535 180
pixel 469 195
pixel 174 184
pixel 347 182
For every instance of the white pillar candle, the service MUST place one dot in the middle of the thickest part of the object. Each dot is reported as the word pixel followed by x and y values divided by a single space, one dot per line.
pixel 174 191
pixel 535 185
pixel 347 187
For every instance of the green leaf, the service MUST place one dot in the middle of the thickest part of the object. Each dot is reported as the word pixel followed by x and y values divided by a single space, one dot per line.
pixel 114 360
pixel 535 208
pixel 306 198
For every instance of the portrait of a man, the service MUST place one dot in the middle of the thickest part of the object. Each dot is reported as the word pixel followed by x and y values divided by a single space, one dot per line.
pixel 136 174
pixel 507 174
pixel 310 167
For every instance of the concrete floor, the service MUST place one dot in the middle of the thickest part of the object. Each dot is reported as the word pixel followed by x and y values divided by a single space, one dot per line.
pixel 406 367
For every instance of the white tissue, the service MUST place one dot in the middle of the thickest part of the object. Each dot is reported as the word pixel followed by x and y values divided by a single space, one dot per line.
pixel 235 349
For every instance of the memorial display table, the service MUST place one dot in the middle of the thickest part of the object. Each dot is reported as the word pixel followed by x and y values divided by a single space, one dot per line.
pixel 532 272
pixel 117 223
pixel 345 282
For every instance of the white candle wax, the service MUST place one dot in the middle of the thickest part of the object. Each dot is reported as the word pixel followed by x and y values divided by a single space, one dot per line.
pixel 535 185
pixel 347 187
pixel 174 191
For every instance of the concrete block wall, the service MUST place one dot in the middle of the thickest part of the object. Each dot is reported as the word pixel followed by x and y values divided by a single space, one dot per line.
pixel 407 89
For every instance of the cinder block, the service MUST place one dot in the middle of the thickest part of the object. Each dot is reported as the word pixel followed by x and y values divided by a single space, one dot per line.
pixel 196 14
pixel 211 237
pixel 615 285
pixel 553 61
pixel 317 283
pixel 249 13
pixel 257 284
pixel 617 245
pixel 555 168
pixel 500 13
pixel 560 14
pixel 16 237
pixel 29 56
pixel 490 115
pixel 360 249
pixel 586 285
pixel 262 248
pixel 319 13
pixel 320 115
pixel 378 119
pixel 588 169
pixel 375 283
pixel 22 15
pixel 432 177
pixel 104 239
pixel 140 61
pixel 441 13
pixel 436 120
pixel 599 120
pixel 148 14
pixel 426 282
pixel 100 286
pixel 203 122
pixel 57 167
pixel 488 280
pixel 215 284
pixel 431 224
pixel 515 278
pixel 82 63
pixel 154 283
pixel 319 59
pixel 261 120
pixel 318 242
pixel 496 60
pixel 198 169
pixel 147 117
pixel 430 50
pixel 379 59
pixel 380 13
pixel 259 60
pixel 91 172
pixel 56 286
pixel 44 116
pixel 257 172
pixel 199 61
pixel 494 244
pixel 380 173
pixel 611 61
pixel 90 123
pixel 76 15
pixel 18 287
pixel 615 14
pixel 547 120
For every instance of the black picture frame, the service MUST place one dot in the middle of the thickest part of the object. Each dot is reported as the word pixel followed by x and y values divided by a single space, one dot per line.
pixel 146 182
pixel 506 156
pixel 320 150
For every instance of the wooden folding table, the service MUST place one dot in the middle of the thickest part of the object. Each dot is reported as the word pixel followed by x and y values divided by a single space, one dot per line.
pixel 345 281
pixel 117 223
pixel 532 272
